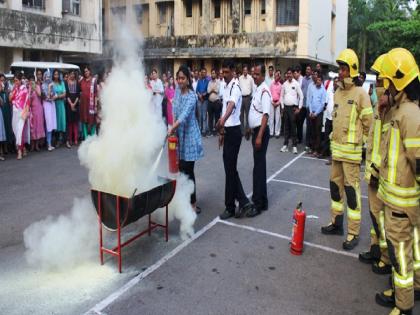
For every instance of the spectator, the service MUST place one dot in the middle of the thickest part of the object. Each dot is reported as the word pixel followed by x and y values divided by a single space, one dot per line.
pixel 246 83
pixel 202 95
pixel 158 92
pixel 297 75
pixel 311 86
pixel 2 129
pixel 195 80
pixel 214 105
pixel 330 87
pixel 274 117
pixel 306 81
pixel 291 104
pixel 222 85
pixel 73 102
pixel 59 98
pixel 186 126
pixel 147 83
pixel 37 111
pixel 229 126
pixel 258 119
pixel 170 94
pixel 165 80
pixel 49 108
pixel 270 77
pixel 20 100
pixel 316 104
pixel 7 115
pixel 88 103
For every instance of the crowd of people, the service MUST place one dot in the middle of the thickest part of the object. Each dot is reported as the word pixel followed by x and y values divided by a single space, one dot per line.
pixel 48 109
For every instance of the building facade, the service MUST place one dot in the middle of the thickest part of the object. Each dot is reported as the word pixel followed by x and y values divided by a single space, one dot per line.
pixel 49 30
pixel 202 32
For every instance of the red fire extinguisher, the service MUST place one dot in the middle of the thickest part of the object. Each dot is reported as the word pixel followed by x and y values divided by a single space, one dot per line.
pixel 173 154
pixel 298 232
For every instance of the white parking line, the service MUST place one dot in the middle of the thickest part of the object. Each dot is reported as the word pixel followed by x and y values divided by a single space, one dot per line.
pixel 305 185
pixel 285 237
pixel 98 308
pixel 313 158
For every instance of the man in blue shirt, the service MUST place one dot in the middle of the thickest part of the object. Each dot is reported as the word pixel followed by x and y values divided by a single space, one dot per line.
pixel 316 104
pixel 202 95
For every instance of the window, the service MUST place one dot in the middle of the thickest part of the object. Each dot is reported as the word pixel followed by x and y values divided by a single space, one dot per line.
pixel 188 8
pixel 247 7
pixel 34 4
pixel 162 12
pixel 262 6
pixel 200 6
pixel 287 12
pixel 71 6
pixel 119 12
pixel 216 9
pixel 138 11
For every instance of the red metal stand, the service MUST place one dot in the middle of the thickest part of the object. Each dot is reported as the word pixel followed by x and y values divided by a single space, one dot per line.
pixel 116 251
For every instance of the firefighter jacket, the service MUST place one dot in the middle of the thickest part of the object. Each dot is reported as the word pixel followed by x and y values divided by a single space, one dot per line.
pixel 352 117
pixel 400 156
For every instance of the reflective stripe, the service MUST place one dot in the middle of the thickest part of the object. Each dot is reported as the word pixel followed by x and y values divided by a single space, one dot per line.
pixel 412 142
pixel 354 214
pixel 394 147
pixel 416 265
pixel 401 258
pixel 366 111
pixel 403 282
pixel 348 148
pixel 385 127
pixel 376 156
pixel 404 192
pixel 347 156
pixel 416 244
pixel 383 244
pixel 351 138
pixel 337 206
pixel 382 241
pixel 372 231
pixel 396 200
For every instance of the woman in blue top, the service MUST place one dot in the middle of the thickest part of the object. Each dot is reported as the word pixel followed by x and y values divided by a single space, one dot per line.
pixel 186 126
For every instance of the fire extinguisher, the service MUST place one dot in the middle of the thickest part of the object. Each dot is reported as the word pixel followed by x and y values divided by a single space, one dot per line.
pixel 298 232
pixel 173 154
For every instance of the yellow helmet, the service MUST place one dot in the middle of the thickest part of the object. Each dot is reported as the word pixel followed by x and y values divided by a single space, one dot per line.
pixel 377 65
pixel 349 57
pixel 399 67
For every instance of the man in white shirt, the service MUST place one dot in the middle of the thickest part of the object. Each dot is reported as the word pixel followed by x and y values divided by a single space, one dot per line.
pixel 158 92
pixel 230 136
pixel 246 84
pixel 291 104
pixel 270 78
pixel 214 106
pixel 258 119
pixel 330 86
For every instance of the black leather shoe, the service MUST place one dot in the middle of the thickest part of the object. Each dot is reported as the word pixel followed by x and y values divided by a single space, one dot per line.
pixel 380 268
pixel 243 210
pixel 386 298
pixel 351 242
pixel 226 214
pixel 253 212
pixel 367 257
pixel 332 229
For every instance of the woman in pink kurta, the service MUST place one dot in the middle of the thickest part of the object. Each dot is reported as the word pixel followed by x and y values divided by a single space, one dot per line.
pixel 20 100
pixel 170 94
pixel 37 114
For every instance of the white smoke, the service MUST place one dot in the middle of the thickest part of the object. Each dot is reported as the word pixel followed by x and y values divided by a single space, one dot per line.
pixel 120 160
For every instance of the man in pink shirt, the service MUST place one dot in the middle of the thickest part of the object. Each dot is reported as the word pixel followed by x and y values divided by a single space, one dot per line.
pixel 274 118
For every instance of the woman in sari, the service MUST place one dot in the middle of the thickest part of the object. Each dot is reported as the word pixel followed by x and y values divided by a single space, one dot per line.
pixel 49 108
pixel 59 98
pixel 170 94
pixel 88 103
pixel 20 100
pixel 37 112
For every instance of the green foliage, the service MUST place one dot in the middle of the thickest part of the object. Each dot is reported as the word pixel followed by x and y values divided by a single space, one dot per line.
pixel 376 26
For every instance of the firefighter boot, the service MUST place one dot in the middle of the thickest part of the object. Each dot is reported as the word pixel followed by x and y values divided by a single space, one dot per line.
pixel 335 228
pixel 370 256
pixel 387 297
pixel 380 268
pixel 397 311
pixel 350 242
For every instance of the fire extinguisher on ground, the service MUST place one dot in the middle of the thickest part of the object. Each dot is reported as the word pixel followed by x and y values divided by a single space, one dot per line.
pixel 298 232
pixel 173 154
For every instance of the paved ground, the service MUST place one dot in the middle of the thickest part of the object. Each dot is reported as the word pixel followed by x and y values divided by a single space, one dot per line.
pixel 235 267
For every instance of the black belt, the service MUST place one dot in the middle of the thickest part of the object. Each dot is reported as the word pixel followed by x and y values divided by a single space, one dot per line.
pixel 246 95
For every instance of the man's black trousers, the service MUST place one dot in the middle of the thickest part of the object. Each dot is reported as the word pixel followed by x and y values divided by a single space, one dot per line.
pixel 290 125
pixel 259 175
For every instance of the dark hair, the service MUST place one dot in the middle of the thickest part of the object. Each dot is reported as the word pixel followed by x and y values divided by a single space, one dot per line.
pixel 363 74
pixel 59 77
pixel 413 90
pixel 213 69
pixel 39 70
pixel 2 75
pixel 298 69
pixel 31 77
pixel 154 70
pixel 228 63
pixel 202 68
pixel 316 72
pixel 310 67
pixel 262 67
pixel 18 75
pixel 244 66
pixel 87 67
pixel 271 68
pixel 186 71
pixel 289 69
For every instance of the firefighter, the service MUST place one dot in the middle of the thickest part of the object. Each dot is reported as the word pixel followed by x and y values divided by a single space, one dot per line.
pixel 352 117
pixel 399 179
pixel 378 253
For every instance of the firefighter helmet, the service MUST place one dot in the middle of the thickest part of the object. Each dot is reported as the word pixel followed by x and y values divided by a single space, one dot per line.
pixel 377 65
pixel 349 57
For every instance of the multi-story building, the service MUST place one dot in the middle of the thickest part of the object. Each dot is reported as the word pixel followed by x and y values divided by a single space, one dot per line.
pixel 202 32
pixel 49 30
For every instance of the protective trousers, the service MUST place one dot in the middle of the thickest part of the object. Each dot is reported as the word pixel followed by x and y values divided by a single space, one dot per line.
pixel 345 178
pixel 378 244
pixel 402 236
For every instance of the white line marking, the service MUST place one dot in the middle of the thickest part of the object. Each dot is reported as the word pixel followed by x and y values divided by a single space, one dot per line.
pixel 311 216
pixel 285 237
pixel 112 297
pixel 305 185
pixel 98 308
pixel 313 158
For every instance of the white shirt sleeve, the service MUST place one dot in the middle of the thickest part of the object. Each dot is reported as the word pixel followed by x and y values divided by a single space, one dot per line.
pixel 266 103
pixel 234 94
pixel 300 95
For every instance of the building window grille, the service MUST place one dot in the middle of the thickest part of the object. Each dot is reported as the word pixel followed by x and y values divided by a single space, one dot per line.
pixel 262 6
pixel 247 7
pixel 216 9
pixel 188 8
pixel 200 6
pixel 34 4
pixel 162 12
pixel 287 12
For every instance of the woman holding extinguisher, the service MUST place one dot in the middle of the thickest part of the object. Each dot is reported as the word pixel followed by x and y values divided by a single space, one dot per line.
pixel 186 127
